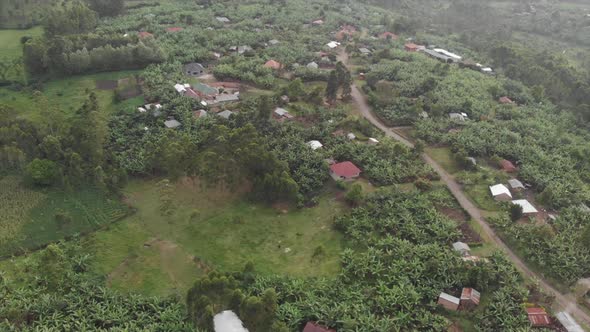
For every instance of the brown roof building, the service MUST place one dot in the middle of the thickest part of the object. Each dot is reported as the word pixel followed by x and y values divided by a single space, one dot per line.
pixel 469 298
pixel 507 166
pixel 538 317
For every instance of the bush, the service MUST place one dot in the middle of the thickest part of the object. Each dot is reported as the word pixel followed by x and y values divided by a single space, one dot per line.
pixel 42 172
pixel 515 212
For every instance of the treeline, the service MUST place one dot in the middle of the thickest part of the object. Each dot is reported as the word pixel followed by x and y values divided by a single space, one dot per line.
pixel 70 47
pixel 59 152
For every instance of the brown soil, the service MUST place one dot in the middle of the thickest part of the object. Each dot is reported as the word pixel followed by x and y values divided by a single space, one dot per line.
pixel 469 235
pixel 106 85
pixel 455 214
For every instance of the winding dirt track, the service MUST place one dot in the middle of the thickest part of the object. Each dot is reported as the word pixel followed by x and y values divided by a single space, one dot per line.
pixel 563 302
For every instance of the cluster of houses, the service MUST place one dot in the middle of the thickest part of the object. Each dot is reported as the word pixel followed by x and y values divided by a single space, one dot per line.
pixel 208 94
pixel 501 192
pixel 446 56
pixel 469 299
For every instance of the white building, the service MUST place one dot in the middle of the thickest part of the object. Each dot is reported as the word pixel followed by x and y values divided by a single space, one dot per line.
pixel 527 208
pixel 500 192
pixel 314 145
pixel 228 321
pixel 333 44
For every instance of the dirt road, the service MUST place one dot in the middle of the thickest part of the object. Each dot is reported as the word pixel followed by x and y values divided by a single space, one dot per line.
pixel 563 302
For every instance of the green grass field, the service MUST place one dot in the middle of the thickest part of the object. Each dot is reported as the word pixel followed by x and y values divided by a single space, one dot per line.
pixel 10 41
pixel 32 218
pixel 445 158
pixel 68 94
pixel 211 229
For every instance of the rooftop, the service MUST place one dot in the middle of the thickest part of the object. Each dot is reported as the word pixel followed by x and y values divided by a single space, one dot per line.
pixel 500 189
pixel 345 169
pixel 527 207
pixel 449 298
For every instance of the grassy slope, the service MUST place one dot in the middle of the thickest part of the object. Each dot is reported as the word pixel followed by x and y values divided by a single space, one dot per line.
pixel 10 41
pixel 211 229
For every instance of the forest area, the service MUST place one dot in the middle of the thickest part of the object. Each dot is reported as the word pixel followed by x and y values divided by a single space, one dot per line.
pixel 163 163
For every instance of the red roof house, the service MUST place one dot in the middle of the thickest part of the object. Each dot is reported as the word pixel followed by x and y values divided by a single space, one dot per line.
pixel 174 29
pixel 507 166
pixel 469 298
pixel 388 35
pixel 315 327
pixel 538 317
pixel 505 100
pixel 344 171
pixel 272 64
pixel 411 47
pixel 144 34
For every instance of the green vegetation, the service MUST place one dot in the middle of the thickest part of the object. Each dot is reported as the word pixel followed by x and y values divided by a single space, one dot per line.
pixel 32 219
pixel 211 229
pixel 239 212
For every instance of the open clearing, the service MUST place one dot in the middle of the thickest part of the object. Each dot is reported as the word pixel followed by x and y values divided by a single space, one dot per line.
pixel 69 94
pixel 10 41
pixel 211 229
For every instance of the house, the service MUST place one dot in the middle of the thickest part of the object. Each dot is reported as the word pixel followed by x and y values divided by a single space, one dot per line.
pixel 273 42
pixel 272 64
pixel 285 99
pixel 205 91
pixel 388 35
pixel 449 302
pixel 314 145
pixel 351 136
pixel 472 161
pixel 315 327
pixel 505 100
pixel 538 317
pixel 423 115
pixel 568 322
pixel 241 49
pixel 200 114
pixel 226 321
pixel 457 116
pixel 226 98
pixel 439 56
pixel 500 192
pixel 344 171
pixel 281 114
pixel 144 34
pixel 180 88
pixel 317 22
pixel 373 141
pixel 516 185
pixel 411 47
pixel 507 166
pixel 364 51
pixel 333 44
pixel 312 65
pixel 469 298
pixel 527 208
pixel 451 55
pixel 225 114
pixel 194 69
pixel 462 248
pixel 174 29
pixel 171 123
pixel 487 70
pixel 222 19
